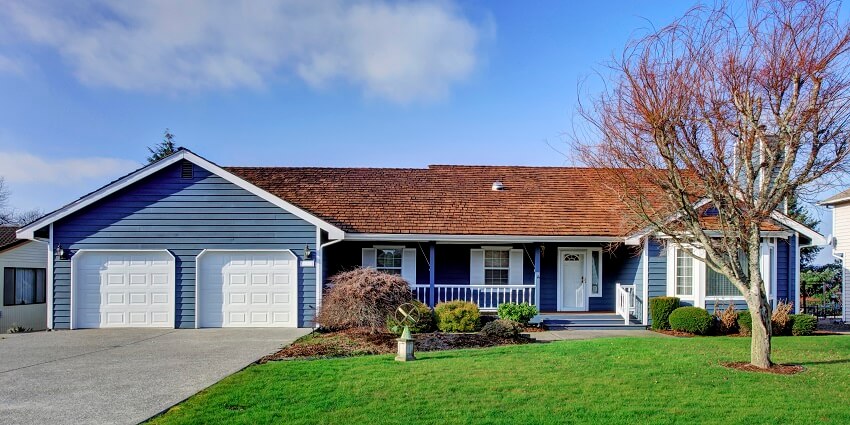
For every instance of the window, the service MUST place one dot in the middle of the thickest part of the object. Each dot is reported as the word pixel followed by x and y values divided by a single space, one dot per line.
pixel 23 286
pixel 497 266
pixel 595 273
pixel 389 260
pixel 717 285
pixel 684 273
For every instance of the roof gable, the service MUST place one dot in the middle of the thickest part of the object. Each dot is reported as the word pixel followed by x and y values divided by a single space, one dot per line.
pixel 28 232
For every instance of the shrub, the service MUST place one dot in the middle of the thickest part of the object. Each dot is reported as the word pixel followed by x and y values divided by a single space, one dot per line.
pixel 427 321
pixel 803 324
pixel 745 323
pixel 694 320
pixel 521 313
pixel 17 329
pixel 458 316
pixel 726 320
pixel 781 318
pixel 502 328
pixel 660 309
pixel 362 298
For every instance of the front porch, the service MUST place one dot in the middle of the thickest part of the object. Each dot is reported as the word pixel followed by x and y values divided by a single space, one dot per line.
pixel 565 280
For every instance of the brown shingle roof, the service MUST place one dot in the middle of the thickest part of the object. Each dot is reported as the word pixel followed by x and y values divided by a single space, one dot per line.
pixel 448 199
pixel 7 236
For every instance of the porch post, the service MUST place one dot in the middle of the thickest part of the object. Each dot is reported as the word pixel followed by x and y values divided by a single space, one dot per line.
pixel 431 275
pixel 537 276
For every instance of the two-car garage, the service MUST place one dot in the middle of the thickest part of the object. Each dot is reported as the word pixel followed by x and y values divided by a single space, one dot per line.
pixel 137 288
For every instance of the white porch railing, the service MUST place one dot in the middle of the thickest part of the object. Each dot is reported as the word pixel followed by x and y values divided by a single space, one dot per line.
pixel 625 302
pixel 487 297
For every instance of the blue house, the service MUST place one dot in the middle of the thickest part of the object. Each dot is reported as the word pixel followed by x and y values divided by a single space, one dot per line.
pixel 186 243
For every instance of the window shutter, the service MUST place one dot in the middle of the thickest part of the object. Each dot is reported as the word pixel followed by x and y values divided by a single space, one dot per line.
pixel 370 257
pixel 515 277
pixel 476 267
pixel 9 286
pixel 408 265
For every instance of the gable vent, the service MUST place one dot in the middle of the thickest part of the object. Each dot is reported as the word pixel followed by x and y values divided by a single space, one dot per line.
pixel 187 171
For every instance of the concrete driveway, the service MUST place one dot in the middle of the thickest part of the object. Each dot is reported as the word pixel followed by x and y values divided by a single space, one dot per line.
pixel 120 375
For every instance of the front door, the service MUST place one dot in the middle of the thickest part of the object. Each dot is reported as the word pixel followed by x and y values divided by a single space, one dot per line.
pixel 573 295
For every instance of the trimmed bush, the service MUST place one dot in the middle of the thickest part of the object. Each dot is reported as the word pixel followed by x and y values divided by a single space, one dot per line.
pixel 458 316
pixel 427 321
pixel 362 298
pixel 521 313
pixel 660 309
pixel 693 320
pixel 803 324
pixel 502 328
pixel 745 323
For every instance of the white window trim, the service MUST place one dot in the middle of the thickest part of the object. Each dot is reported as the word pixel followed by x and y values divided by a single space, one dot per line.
pixel 484 273
pixel 400 248
pixel 767 263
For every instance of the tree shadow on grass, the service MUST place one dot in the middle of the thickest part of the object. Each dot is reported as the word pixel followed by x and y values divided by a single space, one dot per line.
pixel 837 361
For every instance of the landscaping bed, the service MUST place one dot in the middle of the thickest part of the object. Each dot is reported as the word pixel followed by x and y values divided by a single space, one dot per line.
pixel 359 342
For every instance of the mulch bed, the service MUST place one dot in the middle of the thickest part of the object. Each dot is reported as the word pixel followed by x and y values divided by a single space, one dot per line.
pixel 358 342
pixel 674 333
pixel 778 369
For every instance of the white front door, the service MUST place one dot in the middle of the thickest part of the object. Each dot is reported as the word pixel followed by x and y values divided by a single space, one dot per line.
pixel 573 295
pixel 123 289
pixel 247 289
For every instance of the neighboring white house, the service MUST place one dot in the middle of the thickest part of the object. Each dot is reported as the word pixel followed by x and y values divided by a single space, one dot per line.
pixel 23 269
pixel 840 205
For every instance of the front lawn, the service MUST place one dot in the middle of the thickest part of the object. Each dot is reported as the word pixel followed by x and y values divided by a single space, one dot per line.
pixel 615 380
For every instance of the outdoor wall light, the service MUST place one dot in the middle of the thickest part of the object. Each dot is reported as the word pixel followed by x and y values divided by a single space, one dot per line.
pixel 61 253
pixel 307 253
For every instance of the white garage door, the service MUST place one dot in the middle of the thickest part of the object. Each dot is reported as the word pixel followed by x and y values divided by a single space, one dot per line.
pixel 123 289
pixel 247 289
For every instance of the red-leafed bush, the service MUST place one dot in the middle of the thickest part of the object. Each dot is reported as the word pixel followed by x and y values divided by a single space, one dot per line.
pixel 362 298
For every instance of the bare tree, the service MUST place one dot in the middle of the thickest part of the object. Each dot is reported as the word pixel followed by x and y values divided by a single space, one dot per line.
pixel 8 215
pixel 5 213
pixel 735 113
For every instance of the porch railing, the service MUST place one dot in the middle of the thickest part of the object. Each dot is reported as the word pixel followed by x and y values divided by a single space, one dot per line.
pixel 487 297
pixel 625 301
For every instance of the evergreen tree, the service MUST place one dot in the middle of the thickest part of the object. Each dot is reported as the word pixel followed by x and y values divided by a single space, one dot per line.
pixel 162 149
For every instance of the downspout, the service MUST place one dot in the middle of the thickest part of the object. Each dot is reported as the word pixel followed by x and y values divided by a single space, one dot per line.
pixel 797 267
pixel 320 275
pixel 844 309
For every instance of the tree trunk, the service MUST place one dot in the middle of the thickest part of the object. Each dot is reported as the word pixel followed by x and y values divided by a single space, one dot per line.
pixel 762 332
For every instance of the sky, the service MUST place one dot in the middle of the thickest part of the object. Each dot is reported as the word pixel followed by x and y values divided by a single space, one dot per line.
pixel 87 86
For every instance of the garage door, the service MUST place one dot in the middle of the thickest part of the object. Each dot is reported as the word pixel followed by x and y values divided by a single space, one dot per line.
pixel 123 289
pixel 247 289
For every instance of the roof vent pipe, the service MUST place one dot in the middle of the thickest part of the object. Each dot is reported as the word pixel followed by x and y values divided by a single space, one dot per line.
pixel 497 185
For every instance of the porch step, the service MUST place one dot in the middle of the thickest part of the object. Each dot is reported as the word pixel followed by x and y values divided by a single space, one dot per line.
pixel 587 321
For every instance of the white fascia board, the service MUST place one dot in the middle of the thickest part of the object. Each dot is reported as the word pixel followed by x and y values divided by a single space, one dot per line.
pixel 410 237
pixel 28 232
pixel 833 202
pixel 333 231
pixel 816 238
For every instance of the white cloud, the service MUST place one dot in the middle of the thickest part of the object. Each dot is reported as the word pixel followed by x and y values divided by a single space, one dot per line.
pixel 21 167
pixel 11 66
pixel 398 51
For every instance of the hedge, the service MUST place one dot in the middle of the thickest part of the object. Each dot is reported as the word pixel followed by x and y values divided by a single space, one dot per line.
pixel 660 309
pixel 458 316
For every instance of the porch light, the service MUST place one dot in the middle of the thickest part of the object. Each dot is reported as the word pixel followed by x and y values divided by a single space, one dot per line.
pixel 307 253
pixel 61 253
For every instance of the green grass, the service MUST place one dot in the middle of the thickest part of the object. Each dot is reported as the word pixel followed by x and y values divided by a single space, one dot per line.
pixel 616 380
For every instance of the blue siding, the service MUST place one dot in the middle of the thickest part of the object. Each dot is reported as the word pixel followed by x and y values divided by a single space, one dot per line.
pixel 657 259
pixel 184 216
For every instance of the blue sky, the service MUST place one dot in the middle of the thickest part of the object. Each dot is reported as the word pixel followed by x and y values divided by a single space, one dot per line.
pixel 87 86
